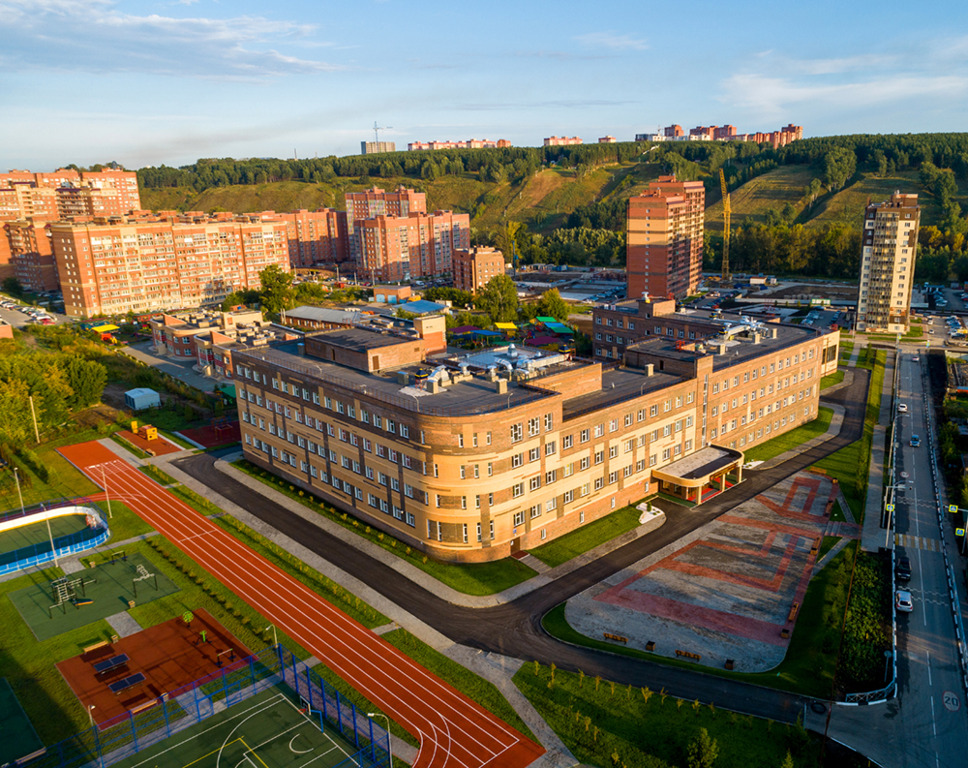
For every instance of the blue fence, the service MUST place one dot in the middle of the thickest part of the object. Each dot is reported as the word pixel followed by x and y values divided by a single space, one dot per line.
pixel 69 544
pixel 175 711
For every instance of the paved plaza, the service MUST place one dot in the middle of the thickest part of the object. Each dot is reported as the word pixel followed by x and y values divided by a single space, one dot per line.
pixel 726 592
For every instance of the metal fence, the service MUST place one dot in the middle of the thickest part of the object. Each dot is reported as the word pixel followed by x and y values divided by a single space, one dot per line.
pixel 172 712
pixel 63 546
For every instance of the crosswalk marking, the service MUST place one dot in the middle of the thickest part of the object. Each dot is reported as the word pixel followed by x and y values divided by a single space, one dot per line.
pixel 917 542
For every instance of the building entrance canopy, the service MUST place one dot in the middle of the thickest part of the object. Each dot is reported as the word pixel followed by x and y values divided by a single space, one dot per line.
pixel 699 476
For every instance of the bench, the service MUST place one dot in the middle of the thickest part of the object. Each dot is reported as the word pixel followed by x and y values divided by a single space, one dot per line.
pixel 616 638
pixel 793 611
pixel 96 646
pixel 103 667
pixel 128 682
pixel 689 655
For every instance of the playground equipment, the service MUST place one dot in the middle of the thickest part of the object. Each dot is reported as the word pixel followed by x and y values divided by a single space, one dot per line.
pixel 143 575
pixel 64 592
pixel 146 431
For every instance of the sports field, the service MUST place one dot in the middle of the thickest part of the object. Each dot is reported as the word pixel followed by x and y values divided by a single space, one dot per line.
pixel 36 533
pixel 19 737
pixel 266 731
pixel 108 587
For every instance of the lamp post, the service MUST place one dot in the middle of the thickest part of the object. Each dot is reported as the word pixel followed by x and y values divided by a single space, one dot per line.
pixel 104 482
pixel 16 477
pixel 389 749
pixel 90 714
pixel 889 511
pixel 275 638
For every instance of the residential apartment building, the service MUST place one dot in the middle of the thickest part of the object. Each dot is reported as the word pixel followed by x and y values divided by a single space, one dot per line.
pixel 396 248
pixel 499 450
pixel 561 141
pixel 316 237
pixel 378 202
pixel 31 254
pixel 151 262
pixel 474 267
pixel 375 147
pixel 888 249
pixel 664 244
pixel 418 146
pixel 779 138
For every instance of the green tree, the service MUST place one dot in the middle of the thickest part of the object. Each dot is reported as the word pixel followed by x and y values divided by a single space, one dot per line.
pixel 12 286
pixel 703 751
pixel 276 288
pixel 839 165
pixel 499 298
pixel 787 761
pixel 552 305
pixel 87 379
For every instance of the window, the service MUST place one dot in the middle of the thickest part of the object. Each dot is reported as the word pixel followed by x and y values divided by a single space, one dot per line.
pixel 551 475
pixel 612 451
pixel 404 430
pixel 517 490
pixel 599 483
pixel 460 441
pixel 534 426
pixel 599 457
pixel 535 511
pixel 628 419
pixel 549 422
pixel 583 464
pixel 534 454
pixel 519 518
pixel 653 410
pixel 569 496
pixel 583 438
pixel 517 433
pixel 599 430
pixel 535 482
pixel 613 425
pixel 567 441
pixel 517 460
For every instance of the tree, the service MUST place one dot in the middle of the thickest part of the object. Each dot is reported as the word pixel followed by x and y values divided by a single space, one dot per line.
pixel 276 288
pixel 703 751
pixel 499 298
pixel 787 761
pixel 552 305
pixel 87 379
pixel 12 286
pixel 839 164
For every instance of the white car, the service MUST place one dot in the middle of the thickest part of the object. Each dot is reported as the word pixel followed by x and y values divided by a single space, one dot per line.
pixel 903 601
pixel 902 408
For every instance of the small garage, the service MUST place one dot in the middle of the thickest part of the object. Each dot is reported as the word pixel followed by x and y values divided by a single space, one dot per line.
pixel 141 399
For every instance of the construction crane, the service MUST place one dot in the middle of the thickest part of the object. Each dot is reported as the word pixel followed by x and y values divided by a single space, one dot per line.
pixel 377 129
pixel 726 214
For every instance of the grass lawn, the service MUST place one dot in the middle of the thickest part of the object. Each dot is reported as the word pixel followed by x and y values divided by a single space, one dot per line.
pixel 564 548
pixel 792 439
pixel 465 681
pixel 808 667
pixel 469 578
pixel 831 379
pixel 605 724
pixel 829 542
pixel 846 349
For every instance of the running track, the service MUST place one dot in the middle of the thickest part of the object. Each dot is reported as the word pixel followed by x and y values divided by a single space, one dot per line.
pixel 454 732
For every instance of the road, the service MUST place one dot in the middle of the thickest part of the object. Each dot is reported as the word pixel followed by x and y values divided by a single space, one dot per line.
pixel 514 629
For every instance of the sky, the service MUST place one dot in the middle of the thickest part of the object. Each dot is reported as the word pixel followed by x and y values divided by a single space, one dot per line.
pixel 151 83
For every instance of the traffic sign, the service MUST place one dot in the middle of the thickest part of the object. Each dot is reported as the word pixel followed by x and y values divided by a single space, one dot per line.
pixel 953 509
pixel 889 507
pixel 959 531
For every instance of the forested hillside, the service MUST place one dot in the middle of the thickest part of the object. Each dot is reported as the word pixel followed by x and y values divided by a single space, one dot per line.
pixel 796 209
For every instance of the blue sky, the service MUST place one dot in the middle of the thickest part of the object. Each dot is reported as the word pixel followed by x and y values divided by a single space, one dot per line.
pixel 146 83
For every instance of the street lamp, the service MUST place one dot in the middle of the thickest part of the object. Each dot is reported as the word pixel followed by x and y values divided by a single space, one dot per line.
pixel 275 639
pixel 385 717
pixel 104 482
pixel 90 714
pixel 16 477
pixel 889 511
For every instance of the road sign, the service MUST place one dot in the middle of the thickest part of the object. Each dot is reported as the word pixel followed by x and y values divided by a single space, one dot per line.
pixel 889 507
pixel 959 531
pixel 953 509
pixel 951 701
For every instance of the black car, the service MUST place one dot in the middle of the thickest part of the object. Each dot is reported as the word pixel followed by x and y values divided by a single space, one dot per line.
pixel 903 569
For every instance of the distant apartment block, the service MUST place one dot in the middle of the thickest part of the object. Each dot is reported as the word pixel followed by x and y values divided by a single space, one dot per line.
pixel 406 247
pixel 474 267
pixel 376 147
pixel 780 138
pixel 561 141
pixel 665 238
pixel 378 202
pixel 888 248
pixel 417 146
pixel 31 254
pixel 152 262
pixel 316 237
pixel 607 140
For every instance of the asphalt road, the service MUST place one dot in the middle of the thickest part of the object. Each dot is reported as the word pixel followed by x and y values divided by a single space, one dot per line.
pixel 514 629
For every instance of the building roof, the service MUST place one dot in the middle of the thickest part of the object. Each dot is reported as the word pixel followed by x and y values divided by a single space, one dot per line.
pixel 360 339
pixel 140 392
pixel 618 385
pixel 325 315
pixel 421 307
pixel 464 329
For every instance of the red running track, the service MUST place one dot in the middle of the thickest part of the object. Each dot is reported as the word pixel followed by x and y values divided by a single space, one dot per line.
pixel 453 730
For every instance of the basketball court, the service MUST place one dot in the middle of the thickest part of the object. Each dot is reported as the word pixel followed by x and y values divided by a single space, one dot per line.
pixel 266 731
pixel 218 432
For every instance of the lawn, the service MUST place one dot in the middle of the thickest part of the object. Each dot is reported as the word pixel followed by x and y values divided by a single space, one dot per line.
pixel 807 668
pixel 471 685
pixel 788 441
pixel 579 541
pixel 832 379
pixel 606 724
pixel 469 578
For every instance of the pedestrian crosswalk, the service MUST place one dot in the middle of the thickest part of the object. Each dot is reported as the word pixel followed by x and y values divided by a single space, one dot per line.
pixel 917 542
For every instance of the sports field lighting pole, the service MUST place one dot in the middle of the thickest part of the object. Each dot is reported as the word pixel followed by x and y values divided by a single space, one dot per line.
pixel 275 638
pixel 104 482
pixel 385 717
pixel 16 477
pixel 90 714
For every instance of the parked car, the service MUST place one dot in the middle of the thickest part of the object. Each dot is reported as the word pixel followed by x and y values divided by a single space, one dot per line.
pixel 903 601
pixel 903 569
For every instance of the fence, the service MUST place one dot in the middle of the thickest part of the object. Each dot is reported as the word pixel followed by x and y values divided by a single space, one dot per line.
pixel 63 546
pixel 191 704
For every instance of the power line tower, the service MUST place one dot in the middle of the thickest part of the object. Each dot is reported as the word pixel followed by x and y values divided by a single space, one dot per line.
pixel 727 212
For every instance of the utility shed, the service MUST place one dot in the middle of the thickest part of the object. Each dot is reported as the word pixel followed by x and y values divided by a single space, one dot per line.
pixel 142 398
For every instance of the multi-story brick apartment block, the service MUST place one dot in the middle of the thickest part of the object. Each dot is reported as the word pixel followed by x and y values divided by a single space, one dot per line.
pixel 376 147
pixel 31 254
pixel 211 337
pixel 151 262
pixel 888 248
pixel 607 140
pixel 407 247
pixel 500 450
pixel 316 237
pixel 378 202
pixel 561 141
pixel 419 146
pixel 780 138
pixel 665 238
pixel 474 267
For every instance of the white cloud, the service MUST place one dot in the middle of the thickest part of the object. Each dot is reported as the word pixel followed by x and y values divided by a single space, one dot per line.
pixel 612 41
pixel 95 36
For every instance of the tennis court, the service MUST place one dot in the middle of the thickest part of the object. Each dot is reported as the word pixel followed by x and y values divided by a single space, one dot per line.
pixel 267 731
pixel 19 737
pixel 90 595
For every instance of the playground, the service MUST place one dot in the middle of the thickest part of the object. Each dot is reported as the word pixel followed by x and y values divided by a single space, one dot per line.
pixel 19 737
pixel 220 431
pixel 128 674
pixel 53 607
pixel 267 731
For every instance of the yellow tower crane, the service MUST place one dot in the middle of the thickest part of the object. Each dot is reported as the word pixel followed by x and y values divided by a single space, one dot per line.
pixel 726 214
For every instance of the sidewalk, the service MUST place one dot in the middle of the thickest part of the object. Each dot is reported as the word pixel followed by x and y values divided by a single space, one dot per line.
pixel 873 536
